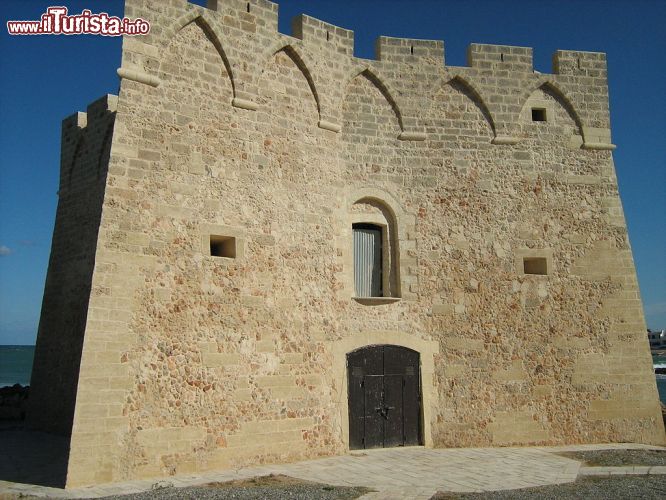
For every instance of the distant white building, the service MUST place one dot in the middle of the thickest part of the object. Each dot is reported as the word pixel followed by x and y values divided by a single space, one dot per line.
pixel 657 338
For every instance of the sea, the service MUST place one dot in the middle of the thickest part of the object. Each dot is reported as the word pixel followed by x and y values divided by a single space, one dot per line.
pixel 16 366
pixel 659 361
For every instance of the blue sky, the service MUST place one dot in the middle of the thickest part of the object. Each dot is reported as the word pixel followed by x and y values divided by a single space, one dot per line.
pixel 46 78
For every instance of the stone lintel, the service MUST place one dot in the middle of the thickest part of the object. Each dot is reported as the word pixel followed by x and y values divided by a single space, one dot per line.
pixel 333 127
pixel 237 102
pixel 599 146
pixel 505 140
pixel 412 136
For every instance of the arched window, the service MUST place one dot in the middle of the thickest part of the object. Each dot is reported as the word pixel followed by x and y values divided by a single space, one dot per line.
pixel 375 250
pixel 368 261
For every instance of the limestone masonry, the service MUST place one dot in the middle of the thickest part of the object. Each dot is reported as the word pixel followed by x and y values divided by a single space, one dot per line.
pixel 258 221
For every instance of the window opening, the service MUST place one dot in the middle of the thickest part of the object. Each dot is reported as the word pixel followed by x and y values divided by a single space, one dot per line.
pixel 538 114
pixel 535 265
pixel 223 246
pixel 368 260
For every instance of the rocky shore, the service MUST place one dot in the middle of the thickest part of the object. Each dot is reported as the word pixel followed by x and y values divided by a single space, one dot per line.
pixel 13 401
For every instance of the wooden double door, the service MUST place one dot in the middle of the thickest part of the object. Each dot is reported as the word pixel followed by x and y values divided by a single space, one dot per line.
pixel 384 397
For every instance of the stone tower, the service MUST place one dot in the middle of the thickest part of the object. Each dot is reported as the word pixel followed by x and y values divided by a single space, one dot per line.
pixel 260 227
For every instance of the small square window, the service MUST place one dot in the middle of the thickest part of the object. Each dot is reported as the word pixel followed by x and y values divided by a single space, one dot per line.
pixel 223 246
pixel 535 265
pixel 538 114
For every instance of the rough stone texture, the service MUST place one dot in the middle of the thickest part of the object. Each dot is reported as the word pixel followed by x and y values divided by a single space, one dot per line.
pixel 191 362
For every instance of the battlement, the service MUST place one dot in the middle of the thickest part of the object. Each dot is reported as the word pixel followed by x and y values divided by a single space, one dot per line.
pixel 103 105
pixel 254 12
pixel 261 16
pixel 78 119
pixel 571 62
pixel 84 134
pixel 238 28
pixel 485 56
pixel 313 30
pixel 405 50
pixel 95 110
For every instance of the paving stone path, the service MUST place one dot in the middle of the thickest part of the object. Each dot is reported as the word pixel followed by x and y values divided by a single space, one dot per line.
pixel 401 473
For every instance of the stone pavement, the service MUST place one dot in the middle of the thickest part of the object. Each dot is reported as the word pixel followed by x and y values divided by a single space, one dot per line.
pixel 400 473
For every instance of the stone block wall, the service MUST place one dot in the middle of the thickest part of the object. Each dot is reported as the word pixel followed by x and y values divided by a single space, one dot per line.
pixel 226 128
pixel 86 140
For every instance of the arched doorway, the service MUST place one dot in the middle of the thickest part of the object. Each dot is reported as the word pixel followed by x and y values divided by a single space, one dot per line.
pixel 384 390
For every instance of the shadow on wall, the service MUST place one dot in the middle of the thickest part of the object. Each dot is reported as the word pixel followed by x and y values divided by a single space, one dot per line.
pixel 32 457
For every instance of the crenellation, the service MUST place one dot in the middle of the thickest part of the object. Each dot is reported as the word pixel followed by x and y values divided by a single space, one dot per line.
pixel 262 14
pixel 78 119
pixel 86 139
pixel 99 108
pixel 323 34
pixel 407 50
pixel 494 57
pixel 582 64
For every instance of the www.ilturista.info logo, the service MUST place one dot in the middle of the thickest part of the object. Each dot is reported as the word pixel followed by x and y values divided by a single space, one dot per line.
pixel 56 21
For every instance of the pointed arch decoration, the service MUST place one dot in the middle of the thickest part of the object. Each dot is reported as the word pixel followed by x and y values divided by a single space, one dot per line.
pixel 548 86
pixel 180 23
pixel 472 91
pixel 213 37
pixel 202 19
pixel 303 61
pixel 375 77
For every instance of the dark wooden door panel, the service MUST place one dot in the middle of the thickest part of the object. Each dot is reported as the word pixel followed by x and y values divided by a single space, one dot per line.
pixel 393 410
pixel 393 360
pixel 397 359
pixel 384 397
pixel 356 406
pixel 411 409
pixel 374 422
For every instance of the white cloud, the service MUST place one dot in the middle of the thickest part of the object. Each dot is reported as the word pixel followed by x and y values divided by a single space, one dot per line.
pixel 4 251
